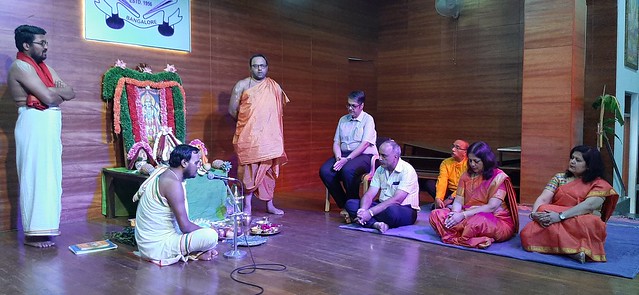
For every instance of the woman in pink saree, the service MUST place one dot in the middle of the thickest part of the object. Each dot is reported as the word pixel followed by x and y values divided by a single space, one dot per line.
pixel 485 206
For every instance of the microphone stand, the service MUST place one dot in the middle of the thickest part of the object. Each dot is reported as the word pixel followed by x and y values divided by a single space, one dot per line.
pixel 235 200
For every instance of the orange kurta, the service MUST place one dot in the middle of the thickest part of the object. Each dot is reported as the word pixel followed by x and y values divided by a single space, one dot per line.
pixel 584 233
pixel 481 229
pixel 259 137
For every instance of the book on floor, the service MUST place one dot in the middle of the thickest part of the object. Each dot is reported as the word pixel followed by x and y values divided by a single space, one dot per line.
pixel 91 247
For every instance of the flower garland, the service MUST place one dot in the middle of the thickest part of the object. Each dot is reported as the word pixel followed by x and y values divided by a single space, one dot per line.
pixel 114 87
pixel 135 150
pixel 134 153
pixel 199 144
pixel 131 132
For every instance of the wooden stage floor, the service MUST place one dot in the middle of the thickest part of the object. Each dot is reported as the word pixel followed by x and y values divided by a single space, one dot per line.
pixel 320 259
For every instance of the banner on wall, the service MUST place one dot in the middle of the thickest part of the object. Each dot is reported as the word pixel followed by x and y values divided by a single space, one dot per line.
pixel 162 24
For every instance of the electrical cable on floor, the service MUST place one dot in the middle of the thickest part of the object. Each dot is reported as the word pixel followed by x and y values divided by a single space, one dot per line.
pixel 251 268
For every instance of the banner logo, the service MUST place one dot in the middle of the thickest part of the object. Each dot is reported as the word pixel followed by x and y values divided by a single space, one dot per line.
pixel 121 18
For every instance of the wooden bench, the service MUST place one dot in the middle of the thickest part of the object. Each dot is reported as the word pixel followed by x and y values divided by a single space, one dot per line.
pixel 425 160
pixel 427 174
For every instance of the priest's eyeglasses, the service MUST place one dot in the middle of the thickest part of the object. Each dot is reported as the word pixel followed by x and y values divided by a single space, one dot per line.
pixel 42 43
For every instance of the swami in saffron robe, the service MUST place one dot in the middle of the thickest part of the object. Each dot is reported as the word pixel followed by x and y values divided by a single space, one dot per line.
pixel 259 137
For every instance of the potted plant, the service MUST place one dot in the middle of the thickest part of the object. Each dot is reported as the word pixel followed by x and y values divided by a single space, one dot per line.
pixel 609 103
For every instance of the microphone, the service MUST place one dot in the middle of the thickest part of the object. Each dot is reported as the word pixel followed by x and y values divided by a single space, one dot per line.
pixel 212 176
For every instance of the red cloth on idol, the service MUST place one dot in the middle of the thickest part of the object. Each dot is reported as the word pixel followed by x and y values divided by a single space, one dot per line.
pixel 45 75
pixel 584 233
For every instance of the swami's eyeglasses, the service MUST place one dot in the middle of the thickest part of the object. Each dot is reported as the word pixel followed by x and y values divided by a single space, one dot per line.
pixel 259 66
pixel 352 106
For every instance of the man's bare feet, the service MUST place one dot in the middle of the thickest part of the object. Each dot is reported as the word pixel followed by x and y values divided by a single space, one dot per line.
pixel 270 208
pixel 39 241
pixel 207 256
pixel 380 226
pixel 346 216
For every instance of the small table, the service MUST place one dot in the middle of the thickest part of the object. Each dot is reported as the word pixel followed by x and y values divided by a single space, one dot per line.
pixel 206 198
pixel 108 189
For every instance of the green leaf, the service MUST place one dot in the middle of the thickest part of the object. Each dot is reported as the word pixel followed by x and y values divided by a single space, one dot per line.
pixel 597 103
pixel 610 105
pixel 608 121
pixel 609 130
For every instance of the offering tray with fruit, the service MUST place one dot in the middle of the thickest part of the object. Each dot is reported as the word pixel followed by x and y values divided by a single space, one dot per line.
pixel 266 229
pixel 223 227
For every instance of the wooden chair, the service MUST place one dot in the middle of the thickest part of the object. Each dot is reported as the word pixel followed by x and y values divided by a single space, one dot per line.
pixel 366 178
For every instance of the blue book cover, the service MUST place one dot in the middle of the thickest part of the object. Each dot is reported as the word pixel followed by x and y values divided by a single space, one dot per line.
pixel 90 247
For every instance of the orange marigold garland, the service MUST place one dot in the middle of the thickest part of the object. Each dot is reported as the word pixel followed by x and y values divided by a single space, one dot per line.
pixel 114 87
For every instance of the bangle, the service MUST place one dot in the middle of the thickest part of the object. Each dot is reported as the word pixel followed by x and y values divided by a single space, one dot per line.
pixel 530 216
pixel 371 212
pixel 464 213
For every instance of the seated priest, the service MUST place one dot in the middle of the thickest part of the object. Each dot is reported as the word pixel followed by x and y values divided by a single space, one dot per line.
pixel 163 231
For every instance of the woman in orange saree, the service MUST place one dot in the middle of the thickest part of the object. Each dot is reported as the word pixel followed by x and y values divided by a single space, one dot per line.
pixel 485 206
pixel 570 214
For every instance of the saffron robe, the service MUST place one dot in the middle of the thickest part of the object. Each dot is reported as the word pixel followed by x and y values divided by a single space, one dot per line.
pixel 583 233
pixel 259 137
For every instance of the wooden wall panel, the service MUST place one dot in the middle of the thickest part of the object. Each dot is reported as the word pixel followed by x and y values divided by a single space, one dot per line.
pixel 553 91
pixel 600 66
pixel 440 79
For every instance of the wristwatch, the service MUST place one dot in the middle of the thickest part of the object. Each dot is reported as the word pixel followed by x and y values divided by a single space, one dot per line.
pixel 561 216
